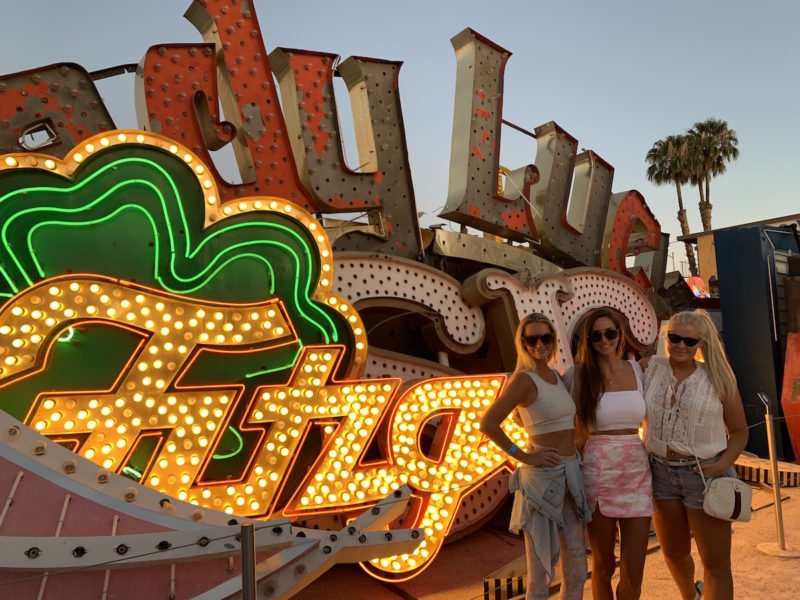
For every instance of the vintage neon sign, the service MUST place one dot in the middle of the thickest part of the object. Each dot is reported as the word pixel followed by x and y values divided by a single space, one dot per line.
pixel 129 335
pixel 133 329
pixel 295 151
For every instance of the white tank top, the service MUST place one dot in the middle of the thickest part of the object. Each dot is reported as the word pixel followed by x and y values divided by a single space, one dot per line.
pixel 623 409
pixel 553 409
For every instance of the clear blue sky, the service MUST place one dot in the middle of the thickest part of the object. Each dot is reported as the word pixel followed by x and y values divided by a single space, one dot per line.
pixel 617 75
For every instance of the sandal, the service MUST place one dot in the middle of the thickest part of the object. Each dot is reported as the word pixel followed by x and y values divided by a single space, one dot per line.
pixel 698 588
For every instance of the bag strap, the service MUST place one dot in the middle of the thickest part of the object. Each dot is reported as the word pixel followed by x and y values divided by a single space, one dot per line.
pixel 700 470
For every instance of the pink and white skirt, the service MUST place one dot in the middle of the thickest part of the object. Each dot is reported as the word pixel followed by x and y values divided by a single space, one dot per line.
pixel 616 476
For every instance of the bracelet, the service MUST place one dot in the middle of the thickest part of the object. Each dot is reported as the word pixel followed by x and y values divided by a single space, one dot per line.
pixel 512 449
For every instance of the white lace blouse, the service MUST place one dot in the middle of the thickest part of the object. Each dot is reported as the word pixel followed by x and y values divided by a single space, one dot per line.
pixel 686 418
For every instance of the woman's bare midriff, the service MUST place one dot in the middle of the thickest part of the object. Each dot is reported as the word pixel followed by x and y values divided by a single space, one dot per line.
pixel 563 441
pixel 618 432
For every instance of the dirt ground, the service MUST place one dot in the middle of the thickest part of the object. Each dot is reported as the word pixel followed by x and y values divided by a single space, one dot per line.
pixel 755 574
pixel 460 567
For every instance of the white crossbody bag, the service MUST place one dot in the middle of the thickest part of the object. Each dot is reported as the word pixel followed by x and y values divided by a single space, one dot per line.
pixel 727 498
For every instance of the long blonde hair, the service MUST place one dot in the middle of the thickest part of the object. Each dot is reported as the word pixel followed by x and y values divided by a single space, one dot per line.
pixel 712 350
pixel 525 361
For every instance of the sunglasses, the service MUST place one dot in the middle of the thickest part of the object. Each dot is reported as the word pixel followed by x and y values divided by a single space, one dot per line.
pixel 676 339
pixel 609 334
pixel 531 340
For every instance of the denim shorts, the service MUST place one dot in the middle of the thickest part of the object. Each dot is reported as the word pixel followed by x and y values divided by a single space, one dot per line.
pixel 680 482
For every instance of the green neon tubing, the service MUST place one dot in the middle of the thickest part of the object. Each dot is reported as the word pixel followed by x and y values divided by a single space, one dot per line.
pixel 232 429
pixel 133 472
pixel 191 254
pixel 67 336
pixel 11 284
pixel 278 368
pixel 156 276
pixel 307 291
pixel 113 165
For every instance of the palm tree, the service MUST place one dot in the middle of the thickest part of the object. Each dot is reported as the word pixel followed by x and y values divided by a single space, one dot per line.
pixel 668 159
pixel 712 144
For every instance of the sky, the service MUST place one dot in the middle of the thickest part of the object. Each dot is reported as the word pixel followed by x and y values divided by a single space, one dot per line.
pixel 617 75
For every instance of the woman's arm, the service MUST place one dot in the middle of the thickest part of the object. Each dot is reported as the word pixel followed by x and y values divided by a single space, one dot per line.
pixel 569 377
pixel 735 422
pixel 571 380
pixel 643 363
pixel 520 389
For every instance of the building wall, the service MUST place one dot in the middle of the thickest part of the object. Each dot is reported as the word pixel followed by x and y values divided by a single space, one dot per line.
pixel 706 257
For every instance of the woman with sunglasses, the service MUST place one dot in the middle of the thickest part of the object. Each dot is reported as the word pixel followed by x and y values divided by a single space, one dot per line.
pixel 616 472
pixel 549 500
pixel 694 413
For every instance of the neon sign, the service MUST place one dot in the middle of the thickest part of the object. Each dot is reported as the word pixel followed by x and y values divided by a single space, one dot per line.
pixel 191 334
pixel 199 351
pixel 291 147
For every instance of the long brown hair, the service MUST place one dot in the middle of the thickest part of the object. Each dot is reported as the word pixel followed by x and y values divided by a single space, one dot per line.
pixel 589 384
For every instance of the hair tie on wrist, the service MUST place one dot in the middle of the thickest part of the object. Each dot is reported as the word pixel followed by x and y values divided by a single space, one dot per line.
pixel 512 449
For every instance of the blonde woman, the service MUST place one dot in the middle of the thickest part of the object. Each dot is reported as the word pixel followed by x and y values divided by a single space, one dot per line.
pixel 693 410
pixel 549 501
pixel 616 472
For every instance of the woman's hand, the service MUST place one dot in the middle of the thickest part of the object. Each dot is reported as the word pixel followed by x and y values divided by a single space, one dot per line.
pixel 735 422
pixel 544 456
pixel 715 469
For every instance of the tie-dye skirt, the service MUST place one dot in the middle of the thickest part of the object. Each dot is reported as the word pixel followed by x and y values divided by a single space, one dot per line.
pixel 616 476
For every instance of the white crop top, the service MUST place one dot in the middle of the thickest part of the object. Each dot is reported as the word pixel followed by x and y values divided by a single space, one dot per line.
pixel 622 409
pixel 553 409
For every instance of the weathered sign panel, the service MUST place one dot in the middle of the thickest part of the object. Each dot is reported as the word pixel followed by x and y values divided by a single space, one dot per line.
pixel 242 361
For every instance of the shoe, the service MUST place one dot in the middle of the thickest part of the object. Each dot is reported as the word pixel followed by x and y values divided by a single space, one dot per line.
pixel 698 588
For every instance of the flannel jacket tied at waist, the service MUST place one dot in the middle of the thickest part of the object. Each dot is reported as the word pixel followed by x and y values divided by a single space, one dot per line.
pixel 539 496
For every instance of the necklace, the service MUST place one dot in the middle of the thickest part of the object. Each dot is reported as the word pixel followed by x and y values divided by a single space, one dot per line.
pixel 609 377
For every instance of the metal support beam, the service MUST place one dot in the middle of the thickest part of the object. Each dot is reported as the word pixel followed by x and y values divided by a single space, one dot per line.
pixel 248 562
